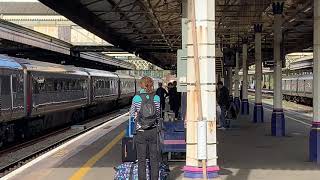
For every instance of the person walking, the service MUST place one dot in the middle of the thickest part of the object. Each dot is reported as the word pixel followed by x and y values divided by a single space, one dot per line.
pixel 162 93
pixel 145 109
pixel 223 102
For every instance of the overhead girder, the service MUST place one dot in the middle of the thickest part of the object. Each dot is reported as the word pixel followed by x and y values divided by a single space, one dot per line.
pixel 152 28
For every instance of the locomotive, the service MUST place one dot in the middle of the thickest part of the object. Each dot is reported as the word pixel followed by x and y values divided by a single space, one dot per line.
pixel 38 96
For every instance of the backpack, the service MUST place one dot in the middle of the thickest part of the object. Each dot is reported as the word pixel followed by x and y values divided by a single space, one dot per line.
pixel 147 114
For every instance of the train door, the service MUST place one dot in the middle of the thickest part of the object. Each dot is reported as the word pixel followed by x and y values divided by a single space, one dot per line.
pixel 6 101
pixel 90 89
pixel 119 88
pixel 17 95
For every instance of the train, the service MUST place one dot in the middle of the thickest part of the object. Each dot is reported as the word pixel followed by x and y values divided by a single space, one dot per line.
pixel 297 88
pixel 38 96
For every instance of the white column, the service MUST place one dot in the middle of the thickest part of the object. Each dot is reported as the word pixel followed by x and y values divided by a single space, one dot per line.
pixel 258 97
pixel 205 30
pixel 236 76
pixel 277 98
pixel 314 138
pixel 245 71
pixel 316 63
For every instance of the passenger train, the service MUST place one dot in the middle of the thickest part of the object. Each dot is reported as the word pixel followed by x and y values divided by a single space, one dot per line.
pixel 298 88
pixel 38 96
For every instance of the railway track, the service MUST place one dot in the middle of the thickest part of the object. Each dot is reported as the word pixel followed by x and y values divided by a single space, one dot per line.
pixel 30 142
pixel 27 158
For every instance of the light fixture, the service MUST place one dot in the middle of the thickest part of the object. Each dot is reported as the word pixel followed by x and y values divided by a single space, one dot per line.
pixel 308 9
pixel 293 19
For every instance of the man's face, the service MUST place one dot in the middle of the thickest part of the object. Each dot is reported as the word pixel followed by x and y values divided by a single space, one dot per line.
pixel 219 86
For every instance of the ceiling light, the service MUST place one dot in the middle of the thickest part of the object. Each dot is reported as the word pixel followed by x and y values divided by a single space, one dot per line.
pixel 308 9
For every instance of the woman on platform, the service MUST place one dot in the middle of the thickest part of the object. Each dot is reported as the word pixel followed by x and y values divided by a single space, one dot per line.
pixel 146 110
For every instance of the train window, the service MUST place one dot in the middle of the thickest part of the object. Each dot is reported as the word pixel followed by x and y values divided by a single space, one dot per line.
pixel 55 85
pixel 76 85
pixel 99 84
pixel 49 87
pixel 65 85
pixel 73 85
pixel 108 84
pixel 19 83
pixel 14 84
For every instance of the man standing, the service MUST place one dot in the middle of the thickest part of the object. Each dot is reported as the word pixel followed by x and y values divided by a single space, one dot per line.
pixel 175 97
pixel 224 103
pixel 241 90
pixel 162 93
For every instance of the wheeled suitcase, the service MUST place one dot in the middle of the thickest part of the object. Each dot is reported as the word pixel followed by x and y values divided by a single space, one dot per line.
pixel 129 152
pixel 129 171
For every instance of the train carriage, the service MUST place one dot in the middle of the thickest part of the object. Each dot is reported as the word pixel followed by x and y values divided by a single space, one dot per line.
pixel 54 87
pixel 127 86
pixel 11 89
pixel 38 96
pixel 104 86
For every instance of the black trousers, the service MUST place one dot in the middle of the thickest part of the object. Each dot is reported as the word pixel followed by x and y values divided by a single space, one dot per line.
pixel 163 106
pixel 147 139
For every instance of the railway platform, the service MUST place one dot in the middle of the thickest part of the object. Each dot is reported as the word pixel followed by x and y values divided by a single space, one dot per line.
pixel 246 151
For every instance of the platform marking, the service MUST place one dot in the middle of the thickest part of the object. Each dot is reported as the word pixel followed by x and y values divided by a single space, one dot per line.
pixel 50 153
pixel 307 116
pixel 85 168
pixel 294 119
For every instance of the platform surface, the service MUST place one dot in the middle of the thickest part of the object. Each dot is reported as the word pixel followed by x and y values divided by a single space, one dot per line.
pixel 249 152
pixel 246 152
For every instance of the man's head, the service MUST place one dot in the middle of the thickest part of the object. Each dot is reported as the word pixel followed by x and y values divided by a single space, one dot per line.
pixel 160 84
pixel 174 83
pixel 220 84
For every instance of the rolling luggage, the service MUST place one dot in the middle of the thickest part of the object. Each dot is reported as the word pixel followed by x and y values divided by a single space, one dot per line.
pixel 129 152
pixel 129 171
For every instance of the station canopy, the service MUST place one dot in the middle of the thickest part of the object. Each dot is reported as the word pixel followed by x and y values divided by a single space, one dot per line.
pixel 152 28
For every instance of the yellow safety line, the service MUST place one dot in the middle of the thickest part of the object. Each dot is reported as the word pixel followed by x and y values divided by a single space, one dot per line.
pixel 85 168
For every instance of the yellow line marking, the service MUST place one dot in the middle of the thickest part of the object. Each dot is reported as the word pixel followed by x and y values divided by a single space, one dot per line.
pixel 85 168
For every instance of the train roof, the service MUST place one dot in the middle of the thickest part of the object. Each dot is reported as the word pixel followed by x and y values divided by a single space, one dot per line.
pixel 302 76
pixel 100 73
pixel 125 76
pixel 32 65
pixel 9 62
